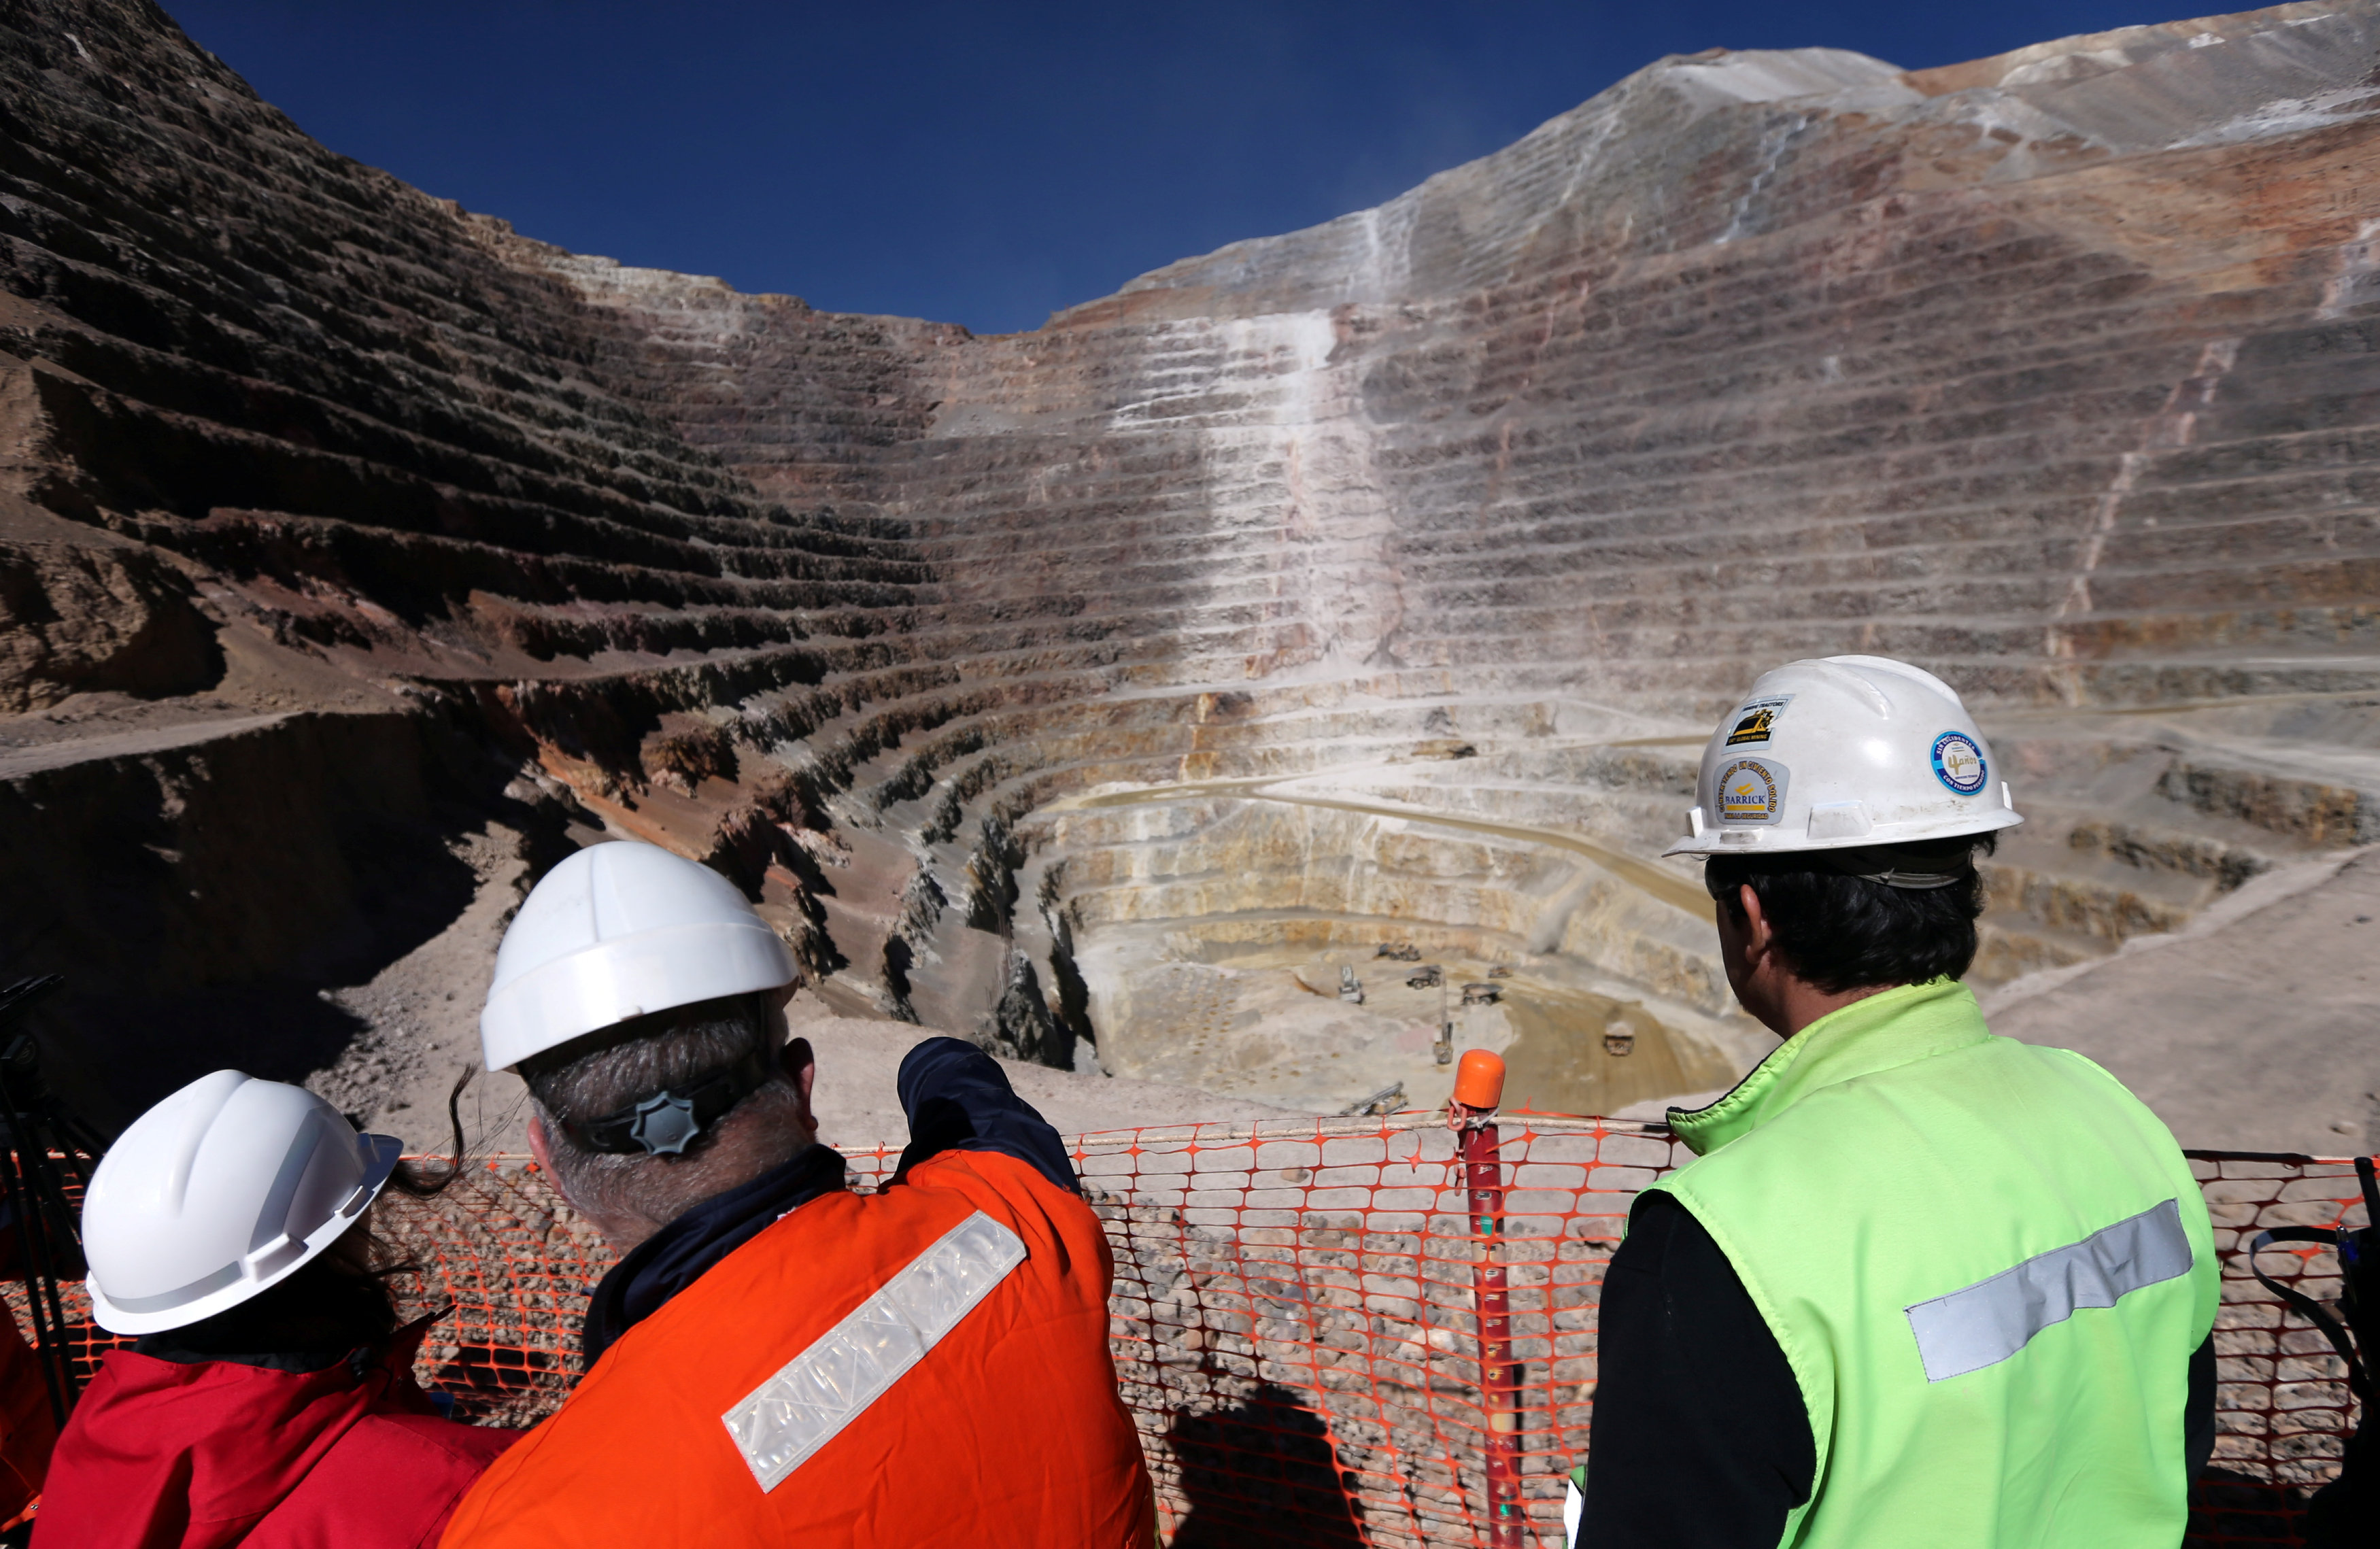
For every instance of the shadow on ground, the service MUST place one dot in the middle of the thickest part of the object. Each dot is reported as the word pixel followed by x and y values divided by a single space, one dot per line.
pixel 1261 1473
pixel 199 899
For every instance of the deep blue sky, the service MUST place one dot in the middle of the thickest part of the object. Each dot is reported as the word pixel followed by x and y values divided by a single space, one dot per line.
pixel 985 163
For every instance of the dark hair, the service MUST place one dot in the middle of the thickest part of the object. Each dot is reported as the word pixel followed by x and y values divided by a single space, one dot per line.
pixel 334 1304
pixel 612 1069
pixel 1841 932
pixel 427 1179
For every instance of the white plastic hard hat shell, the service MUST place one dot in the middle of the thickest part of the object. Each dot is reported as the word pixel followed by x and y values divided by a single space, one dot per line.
pixel 220 1191
pixel 1843 752
pixel 622 930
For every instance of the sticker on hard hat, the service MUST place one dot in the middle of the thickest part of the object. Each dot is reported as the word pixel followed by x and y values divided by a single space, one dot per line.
pixel 1959 763
pixel 1753 721
pixel 1751 790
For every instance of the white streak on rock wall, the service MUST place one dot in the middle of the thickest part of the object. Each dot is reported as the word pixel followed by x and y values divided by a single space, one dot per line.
pixel 2172 426
pixel 1296 508
pixel 2357 283
pixel 1773 146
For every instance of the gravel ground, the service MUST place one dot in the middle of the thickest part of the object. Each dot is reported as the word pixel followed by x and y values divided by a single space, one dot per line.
pixel 2170 1016
pixel 2251 1029
pixel 421 1017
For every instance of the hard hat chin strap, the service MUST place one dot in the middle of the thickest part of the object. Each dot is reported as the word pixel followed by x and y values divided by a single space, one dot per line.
pixel 670 1122
pixel 1919 872
pixel 1917 867
pixel 1915 881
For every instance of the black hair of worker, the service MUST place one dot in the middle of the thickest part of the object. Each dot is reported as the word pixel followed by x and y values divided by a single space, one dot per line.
pixel 1841 927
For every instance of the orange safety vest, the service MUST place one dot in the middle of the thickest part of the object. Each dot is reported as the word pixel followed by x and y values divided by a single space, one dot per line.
pixel 925 1365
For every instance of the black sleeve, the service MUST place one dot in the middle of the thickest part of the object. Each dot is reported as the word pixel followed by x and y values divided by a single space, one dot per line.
pixel 1700 1439
pixel 957 1098
pixel 2198 1410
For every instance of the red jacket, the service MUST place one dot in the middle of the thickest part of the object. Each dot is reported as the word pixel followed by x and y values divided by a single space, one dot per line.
pixel 203 1454
pixel 26 1430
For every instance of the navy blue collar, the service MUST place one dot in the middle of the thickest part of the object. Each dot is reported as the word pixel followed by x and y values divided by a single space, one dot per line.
pixel 675 1256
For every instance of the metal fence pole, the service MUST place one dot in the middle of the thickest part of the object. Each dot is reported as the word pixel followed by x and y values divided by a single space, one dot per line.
pixel 1478 1088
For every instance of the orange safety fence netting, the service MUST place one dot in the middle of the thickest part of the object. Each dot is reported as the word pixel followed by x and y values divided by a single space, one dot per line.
pixel 1296 1319
pixel 2283 1413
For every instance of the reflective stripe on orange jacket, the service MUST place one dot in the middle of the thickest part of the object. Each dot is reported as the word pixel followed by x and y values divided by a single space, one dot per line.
pixel 1006 1431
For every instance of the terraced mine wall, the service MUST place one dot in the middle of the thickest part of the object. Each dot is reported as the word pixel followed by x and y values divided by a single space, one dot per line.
pixel 1107 689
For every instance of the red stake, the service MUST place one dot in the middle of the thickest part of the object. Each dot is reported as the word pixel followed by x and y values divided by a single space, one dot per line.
pixel 1478 1087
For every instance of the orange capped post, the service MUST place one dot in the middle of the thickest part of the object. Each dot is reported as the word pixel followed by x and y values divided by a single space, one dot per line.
pixel 1478 1087
pixel 1479 1080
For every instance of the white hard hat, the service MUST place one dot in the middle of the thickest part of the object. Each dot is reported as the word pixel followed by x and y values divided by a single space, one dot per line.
pixel 220 1190
pixel 1841 753
pixel 620 930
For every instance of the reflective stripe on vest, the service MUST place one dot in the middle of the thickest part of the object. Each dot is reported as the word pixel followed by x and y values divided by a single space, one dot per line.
pixel 781 1423
pixel 1991 1319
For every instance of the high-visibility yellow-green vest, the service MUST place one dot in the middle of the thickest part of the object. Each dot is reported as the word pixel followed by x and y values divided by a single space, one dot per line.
pixel 1988 1266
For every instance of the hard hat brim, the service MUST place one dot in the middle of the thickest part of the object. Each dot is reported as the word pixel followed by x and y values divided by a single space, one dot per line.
pixel 610 982
pixel 1714 842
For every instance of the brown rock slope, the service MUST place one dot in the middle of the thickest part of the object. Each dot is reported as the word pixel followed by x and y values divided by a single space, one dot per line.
pixel 2250 1029
pixel 1368 584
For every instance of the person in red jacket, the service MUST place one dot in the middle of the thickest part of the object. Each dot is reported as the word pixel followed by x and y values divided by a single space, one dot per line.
pixel 269 1400
pixel 778 1359
pixel 27 1427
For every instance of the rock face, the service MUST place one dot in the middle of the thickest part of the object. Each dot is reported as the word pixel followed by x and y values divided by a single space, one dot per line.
pixel 1374 584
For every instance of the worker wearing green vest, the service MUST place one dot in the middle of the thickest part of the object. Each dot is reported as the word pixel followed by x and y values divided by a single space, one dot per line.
pixel 1921 1285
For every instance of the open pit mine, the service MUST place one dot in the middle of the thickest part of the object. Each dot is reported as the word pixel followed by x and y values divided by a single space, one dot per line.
pixel 1248 680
